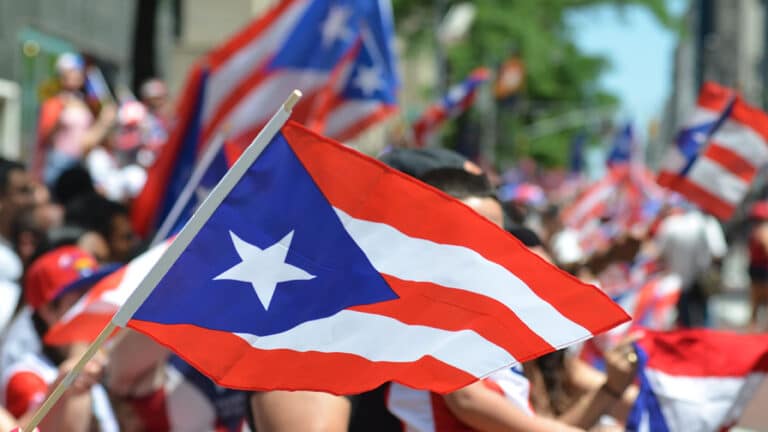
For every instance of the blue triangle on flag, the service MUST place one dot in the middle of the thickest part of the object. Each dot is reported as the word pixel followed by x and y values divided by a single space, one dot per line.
pixel 275 197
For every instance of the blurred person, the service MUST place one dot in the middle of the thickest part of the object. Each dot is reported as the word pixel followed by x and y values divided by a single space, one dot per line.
pixel 53 283
pixel 106 223
pixel 157 122
pixel 7 422
pixel 74 182
pixel 566 388
pixel 16 197
pixel 67 129
pixel 155 391
pixel 758 262
pixel 690 244
pixel 116 181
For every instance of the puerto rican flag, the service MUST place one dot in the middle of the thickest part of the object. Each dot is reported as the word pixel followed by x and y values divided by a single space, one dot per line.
pixel 696 380
pixel 717 154
pixel 459 99
pixel 323 269
pixel 339 53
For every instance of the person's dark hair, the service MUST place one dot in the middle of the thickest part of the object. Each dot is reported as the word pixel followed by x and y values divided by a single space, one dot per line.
pixel 526 236
pixel 459 183
pixel 552 367
pixel 72 183
pixel 417 162
pixel 7 166
pixel 93 212
pixel 54 354
pixel 27 222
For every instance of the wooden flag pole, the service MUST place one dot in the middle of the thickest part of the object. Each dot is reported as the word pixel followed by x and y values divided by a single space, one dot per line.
pixel 54 397
pixel 175 249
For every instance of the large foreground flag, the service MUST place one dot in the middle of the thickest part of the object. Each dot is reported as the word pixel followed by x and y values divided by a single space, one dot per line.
pixel 315 267
pixel 339 53
pixel 697 380
pixel 717 154
pixel 459 99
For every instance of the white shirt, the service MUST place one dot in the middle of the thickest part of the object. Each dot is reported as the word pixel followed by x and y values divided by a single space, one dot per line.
pixel 117 183
pixel 688 242
pixel 10 272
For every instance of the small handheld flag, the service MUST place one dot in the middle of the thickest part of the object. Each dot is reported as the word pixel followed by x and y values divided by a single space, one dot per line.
pixel 716 156
pixel 309 265
pixel 696 380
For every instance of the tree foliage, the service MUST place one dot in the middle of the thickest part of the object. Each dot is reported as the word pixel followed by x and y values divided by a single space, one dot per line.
pixel 559 76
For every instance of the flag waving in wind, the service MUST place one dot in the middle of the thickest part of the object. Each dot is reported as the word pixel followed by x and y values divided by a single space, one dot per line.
pixel 717 155
pixel 318 270
pixel 696 380
pixel 459 98
pixel 339 53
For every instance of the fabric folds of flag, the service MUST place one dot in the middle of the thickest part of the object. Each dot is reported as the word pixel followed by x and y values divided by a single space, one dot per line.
pixel 696 380
pixel 339 53
pixel 324 269
pixel 716 156
pixel 84 321
pixel 459 99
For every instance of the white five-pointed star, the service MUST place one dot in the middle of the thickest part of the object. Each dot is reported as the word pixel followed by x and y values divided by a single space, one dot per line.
pixel 335 25
pixel 263 268
pixel 368 79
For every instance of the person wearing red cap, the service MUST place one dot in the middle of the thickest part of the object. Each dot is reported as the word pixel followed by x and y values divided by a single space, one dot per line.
pixel 758 261
pixel 52 284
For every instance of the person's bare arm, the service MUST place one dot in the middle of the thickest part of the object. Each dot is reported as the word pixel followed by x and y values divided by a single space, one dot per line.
pixel 485 410
pixel 7 422
pixel 284 411
pixel 135 363
pixel 100 128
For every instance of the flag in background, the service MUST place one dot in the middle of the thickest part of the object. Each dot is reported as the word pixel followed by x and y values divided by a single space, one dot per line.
pixel 339 53
pixel 95 85
pixel 468 304
pixel 459 99
pixel 696 380
pixel 716 156
pixel 624 148
pixel 576 153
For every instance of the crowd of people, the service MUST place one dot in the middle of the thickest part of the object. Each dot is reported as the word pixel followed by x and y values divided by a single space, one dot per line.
pixel 64 225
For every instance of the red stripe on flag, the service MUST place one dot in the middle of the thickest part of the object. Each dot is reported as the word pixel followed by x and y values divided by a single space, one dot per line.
pixel 714 97
pixel 706 353
pixel 232 362
pixel 379 194
pixel 427 304
pixel 358 127
pixel 731 161
pixel 228 104
pixel 697 195
pixel 223 53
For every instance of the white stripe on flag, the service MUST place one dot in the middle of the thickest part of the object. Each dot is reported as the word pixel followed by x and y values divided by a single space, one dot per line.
pixel 420 260
pixel 245 61
pixel 713 177
pixel 743 141
pixel 700 403
pixel 257 106
pixel 413 407
pixel 348 114
pixel 360 334
pixel 701 115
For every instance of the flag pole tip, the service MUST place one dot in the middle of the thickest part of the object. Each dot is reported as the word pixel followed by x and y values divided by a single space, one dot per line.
pixel 292 100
